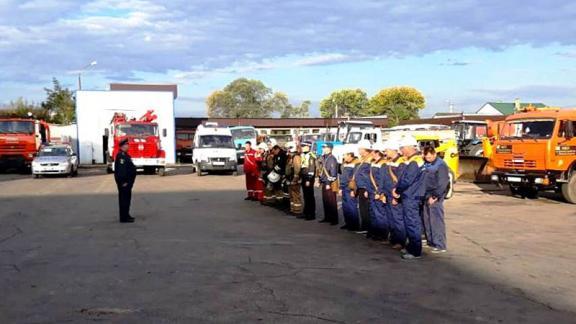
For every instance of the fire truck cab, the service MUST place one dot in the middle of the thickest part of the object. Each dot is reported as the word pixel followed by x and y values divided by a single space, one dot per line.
pixel 536 150
pixel 145 147
pixel 20 140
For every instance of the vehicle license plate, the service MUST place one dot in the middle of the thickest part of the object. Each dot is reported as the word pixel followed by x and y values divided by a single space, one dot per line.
pixel 219 163
pixel 514 179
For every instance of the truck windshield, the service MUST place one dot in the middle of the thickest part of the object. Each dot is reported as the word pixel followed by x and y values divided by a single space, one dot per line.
pixel 53 151
pixel 137 130
pixel 216 141
pixel 16 127
pixel 529 129
pixel 354 137
pixel 243 133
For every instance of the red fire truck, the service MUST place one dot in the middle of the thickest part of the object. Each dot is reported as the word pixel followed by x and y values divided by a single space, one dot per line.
pixel 20 140
pixel 142 134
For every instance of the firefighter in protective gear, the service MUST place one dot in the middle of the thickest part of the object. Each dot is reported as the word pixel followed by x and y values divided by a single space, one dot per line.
pixel 267 164
pixel 349 203
pixel 363 182
pixel 410 189
pixel 379 227
pixel 389 180
pixel 125 176
pixel 307 176
pixel 251 170
pixel 293 168
pixel 329 182
pixel 279 167
pixel 260 185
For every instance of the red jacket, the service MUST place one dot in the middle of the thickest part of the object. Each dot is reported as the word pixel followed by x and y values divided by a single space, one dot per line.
pixel 251 163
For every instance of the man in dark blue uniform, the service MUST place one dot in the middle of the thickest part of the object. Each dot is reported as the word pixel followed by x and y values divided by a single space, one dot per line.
pixel 379 225
pixel 125 176
pixel 392 172
pixel 437 180
pixel 362 180
pixel 329 183
pixel 410 189
pixel 349 202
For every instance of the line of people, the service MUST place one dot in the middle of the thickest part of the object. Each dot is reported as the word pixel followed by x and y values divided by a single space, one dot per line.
pixel 391 192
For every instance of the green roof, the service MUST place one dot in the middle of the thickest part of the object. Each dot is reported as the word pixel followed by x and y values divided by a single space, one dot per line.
pixel 507 108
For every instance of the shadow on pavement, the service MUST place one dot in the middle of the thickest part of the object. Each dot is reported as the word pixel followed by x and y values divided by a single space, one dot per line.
pixel 208 256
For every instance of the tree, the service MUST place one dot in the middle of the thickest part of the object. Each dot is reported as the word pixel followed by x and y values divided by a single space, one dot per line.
pixel 282 105
pixel 351 102
pixel 60 103
pixel 244 98
pixel 398 103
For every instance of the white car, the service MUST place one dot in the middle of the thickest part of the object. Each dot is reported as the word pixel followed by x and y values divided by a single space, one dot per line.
pixel 55 159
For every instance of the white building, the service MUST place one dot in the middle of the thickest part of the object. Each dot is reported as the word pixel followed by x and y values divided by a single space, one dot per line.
pixel 95 109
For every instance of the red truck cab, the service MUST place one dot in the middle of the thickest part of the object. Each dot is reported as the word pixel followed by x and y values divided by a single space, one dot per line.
pixel 20 140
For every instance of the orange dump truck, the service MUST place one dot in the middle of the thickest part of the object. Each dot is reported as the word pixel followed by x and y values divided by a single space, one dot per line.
pixel 536 150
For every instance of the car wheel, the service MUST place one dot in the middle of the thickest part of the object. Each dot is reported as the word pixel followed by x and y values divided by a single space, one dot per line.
pixel 162 171
pixel 198 170
pixel 36 176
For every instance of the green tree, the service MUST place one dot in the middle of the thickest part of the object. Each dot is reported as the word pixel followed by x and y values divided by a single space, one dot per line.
pixel 60 103
pixel 349 102
pixel 398 103
pixel 244 98
pixel 282 105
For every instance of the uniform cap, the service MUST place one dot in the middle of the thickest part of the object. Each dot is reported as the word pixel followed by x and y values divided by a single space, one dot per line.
pixel 328 145
pixel 306 144
pixel 365 144
pixel 408 141
pixel 124 142
pixel 392 145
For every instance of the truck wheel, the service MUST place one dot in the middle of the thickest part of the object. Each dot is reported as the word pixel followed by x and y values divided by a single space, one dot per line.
pixel 162 171
pixel 569 189
pixel 450 191
pixel 515 191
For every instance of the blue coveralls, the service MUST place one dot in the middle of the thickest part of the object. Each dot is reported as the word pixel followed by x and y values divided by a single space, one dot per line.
pixel 411 189
pixel 327 177
pixel 363 183
pixel 437 180
pixel 379 227
pixel 349 203
pixel 392 172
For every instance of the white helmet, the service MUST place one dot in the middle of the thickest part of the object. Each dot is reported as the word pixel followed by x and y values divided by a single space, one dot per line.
pixel 273 177
pixel 272 142
pixel 291 147
pixel 262 146
pixel 365 144
pixel 408 141
pixel 392 145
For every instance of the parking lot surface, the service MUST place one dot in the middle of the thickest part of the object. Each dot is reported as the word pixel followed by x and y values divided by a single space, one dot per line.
pixel 199 253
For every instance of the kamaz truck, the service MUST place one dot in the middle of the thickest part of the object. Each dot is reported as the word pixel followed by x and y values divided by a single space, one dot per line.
pixel 535 151
pixel 20 140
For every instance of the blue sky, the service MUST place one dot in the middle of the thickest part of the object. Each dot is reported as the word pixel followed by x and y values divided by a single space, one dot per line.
pixel 466 52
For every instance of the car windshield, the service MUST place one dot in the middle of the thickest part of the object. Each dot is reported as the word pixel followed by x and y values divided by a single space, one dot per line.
pixel 137 130
pixel 53 151
pixel 243 133
pixel 16 127
pixel 354 137
pixel 529 129
pixel 216 141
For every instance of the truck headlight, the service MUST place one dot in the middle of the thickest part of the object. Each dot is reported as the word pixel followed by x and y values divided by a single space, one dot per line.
pixel 495 178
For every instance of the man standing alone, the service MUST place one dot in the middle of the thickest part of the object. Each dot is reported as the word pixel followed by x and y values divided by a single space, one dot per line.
pixel 437 180
pixel 125 176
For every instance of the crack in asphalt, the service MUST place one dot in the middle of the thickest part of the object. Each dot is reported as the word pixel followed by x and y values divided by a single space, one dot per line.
pixel 16 233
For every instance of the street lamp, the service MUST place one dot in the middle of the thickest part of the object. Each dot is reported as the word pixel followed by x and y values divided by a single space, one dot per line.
pixel 93 63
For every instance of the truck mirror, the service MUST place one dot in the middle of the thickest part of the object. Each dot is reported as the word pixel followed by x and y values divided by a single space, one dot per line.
pixel 164 132
pixel 569 129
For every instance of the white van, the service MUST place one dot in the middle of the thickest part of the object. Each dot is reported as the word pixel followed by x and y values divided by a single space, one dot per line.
pixel 213 150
